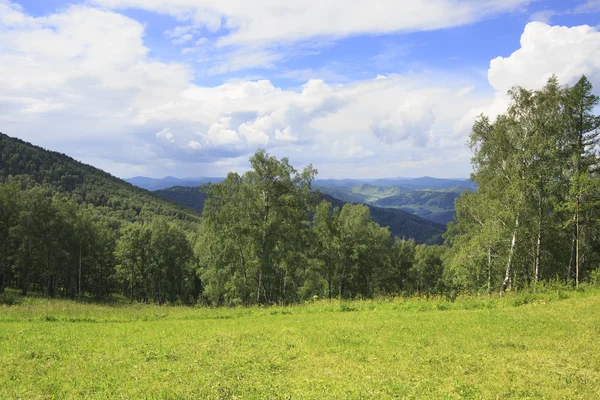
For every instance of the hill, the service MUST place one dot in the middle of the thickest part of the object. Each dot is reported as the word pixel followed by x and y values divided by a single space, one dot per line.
pixel 121 201
pixel 192 197
pixel 110 196
pixel 425 182
pixel 169 181
pixel 401 223
pixel 436 205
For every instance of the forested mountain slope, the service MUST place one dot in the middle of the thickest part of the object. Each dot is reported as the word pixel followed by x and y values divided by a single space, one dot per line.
pixel 189 196
pixel 434 204
pixel 111 196
pixel 402 224
pixel 169 181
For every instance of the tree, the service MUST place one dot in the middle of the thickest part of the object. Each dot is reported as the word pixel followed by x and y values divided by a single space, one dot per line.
pixel 527 166
pixel 133 253
pixel 582 128
pixel 170 254
pixel 256 226
pixel 10 199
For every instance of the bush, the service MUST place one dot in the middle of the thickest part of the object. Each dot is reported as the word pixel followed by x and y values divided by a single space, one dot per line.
pixel 595 277
pixel 10 298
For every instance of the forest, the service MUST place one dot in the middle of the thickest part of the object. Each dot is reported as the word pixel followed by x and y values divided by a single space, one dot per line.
pixel 267 237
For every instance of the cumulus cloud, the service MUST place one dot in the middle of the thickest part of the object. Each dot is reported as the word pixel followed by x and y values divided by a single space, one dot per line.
pixel 412 119
pixel 83 75
pixel 567 52
pixel 546 50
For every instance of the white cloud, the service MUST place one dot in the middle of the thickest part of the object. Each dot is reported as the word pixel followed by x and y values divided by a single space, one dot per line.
pixel 412 119
pixel 194 145
pixel 261 33
pixel 590 6
pixel 545 50
pixel 219 133
pixel 85 75
pixel 285 135
pixel 180 34
pixel 253 135
pixel 543 16
pixel 266 21
pixel 166 135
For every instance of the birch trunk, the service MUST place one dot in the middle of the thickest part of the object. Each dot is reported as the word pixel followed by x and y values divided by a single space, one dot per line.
pixel 489 282
pixel 508 274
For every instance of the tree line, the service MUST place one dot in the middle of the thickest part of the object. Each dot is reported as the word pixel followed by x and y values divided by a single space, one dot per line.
pixel 536 213
pixel 266 237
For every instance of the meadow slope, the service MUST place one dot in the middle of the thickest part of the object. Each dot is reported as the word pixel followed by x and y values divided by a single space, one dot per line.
pixel 519 346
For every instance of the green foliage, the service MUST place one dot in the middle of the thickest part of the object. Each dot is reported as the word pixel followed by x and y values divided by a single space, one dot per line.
pixel 433 204
pixel 111 197
pixel 256 230
pixel 535 213
pixel 402 224
pixel 155 263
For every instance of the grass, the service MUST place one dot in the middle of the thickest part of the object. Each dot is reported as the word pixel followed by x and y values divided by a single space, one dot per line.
pixel 544 345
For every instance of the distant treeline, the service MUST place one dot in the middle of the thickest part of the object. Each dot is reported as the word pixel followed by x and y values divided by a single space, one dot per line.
pixel 265 237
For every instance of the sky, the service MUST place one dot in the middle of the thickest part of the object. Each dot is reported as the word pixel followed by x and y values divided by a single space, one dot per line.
pixel 357 88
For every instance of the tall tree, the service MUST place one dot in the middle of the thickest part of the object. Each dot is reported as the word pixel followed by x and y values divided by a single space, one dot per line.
pixel 583 132
pixel 258 224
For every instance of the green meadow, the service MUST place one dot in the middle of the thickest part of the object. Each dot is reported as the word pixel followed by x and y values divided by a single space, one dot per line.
pixel 524 345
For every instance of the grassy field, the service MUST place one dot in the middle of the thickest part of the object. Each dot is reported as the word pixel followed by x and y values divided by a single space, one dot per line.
pixel 520 346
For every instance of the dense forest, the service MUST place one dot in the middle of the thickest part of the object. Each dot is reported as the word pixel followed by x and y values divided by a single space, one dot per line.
pixel 266 236
pixel 109 196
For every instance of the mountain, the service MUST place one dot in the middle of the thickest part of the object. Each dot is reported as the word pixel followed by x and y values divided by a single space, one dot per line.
pixel 401 223
pixel 169 181
pixel 433 204
pixel 192 197
pixel 425 182
pixel 112 197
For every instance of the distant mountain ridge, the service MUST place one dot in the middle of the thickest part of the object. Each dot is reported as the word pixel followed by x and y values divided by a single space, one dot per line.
pixel 434 202
pixel 401 223
pixel 426 197
pixel 169 181
pixel 424 182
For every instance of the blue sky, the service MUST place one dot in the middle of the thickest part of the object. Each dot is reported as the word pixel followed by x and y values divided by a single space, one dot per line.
pixel 359 89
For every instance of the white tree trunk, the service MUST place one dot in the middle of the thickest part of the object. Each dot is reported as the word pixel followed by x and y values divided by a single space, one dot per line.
pixel 513 243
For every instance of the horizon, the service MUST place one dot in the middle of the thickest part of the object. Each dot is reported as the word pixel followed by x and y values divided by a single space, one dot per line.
pixel 316 179
pixel 193 87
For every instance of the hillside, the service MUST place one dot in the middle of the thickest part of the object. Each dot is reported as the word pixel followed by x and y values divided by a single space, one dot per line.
pixel 192 197
pixel 121 201
pixel 111 196
pixel 425 182
pixel 436 205
pixel 401 223
pixel 169 181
